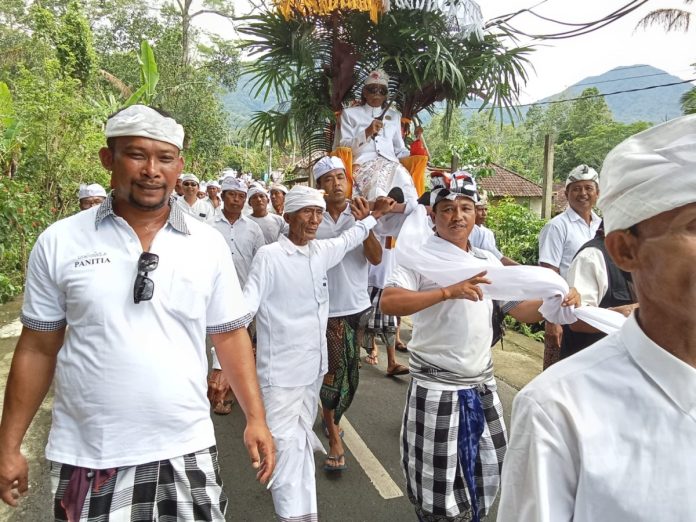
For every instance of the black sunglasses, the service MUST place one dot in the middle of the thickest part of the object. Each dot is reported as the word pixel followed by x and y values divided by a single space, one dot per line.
pixel 144 286
pixel 376 89
pixel 190 184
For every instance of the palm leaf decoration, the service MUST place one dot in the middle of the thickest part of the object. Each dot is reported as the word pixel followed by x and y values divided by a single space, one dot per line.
pixel 316 65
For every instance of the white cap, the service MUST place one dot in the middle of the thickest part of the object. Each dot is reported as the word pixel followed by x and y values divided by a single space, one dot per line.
pixel 91 191
pixel 190 177
pixel 649 173
pixel 379 77
pixel 301 196
pixel 232 183
pixel 327 164
pixel 582 173
pixel 214 184
pixel 281 188
pixel 202 187
pixel 483 199
pixel 255 189
pixel 140 120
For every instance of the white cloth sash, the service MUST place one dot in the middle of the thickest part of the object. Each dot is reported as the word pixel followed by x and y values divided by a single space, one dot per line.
pixel 446 264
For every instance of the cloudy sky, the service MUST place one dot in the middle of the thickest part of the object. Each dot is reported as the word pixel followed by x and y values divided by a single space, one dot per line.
pixel 558 64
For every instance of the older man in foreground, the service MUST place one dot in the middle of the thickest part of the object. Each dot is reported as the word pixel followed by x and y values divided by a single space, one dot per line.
pixel 609 434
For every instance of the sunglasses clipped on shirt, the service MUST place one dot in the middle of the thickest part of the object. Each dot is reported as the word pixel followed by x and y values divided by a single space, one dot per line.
pixel 144 286
pixel 377 89
pixel 190 184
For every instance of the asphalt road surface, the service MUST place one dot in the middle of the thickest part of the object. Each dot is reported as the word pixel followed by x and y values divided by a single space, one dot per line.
pixel 371 489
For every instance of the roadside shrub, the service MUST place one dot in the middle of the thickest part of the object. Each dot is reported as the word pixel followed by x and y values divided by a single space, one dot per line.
pixel 516 230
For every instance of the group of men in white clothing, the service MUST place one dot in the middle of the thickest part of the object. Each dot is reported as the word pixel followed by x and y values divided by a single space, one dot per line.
pixel 114 317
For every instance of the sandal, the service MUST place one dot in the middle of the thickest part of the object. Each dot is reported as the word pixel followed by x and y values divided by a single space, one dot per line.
pixel 399 369
pixel 336 459
pixel 401 347
pixel 372 359
pixel 223 407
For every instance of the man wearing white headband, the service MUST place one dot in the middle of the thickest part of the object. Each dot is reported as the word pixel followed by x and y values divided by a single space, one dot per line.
pixel 454 474
pixel 272 225
pixel 348 300
pixel 288 291
pixel 373 131
pixel 213 195
pixel 244 238
pixel 562 237
pixel 193 205
pixel 278 192
pixel 608 434
pixel 91 195
pixel 117 305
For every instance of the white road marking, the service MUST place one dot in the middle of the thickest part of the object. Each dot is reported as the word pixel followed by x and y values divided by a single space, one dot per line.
pixel 12 329
pixel 384 484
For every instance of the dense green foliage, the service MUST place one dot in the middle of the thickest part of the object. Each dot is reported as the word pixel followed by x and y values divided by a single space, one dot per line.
pixel 516 231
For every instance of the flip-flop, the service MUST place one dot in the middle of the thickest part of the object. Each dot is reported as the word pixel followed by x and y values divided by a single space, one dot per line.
pixel 372 359
pixel 399 369
pixel 336 459
pixel 401 347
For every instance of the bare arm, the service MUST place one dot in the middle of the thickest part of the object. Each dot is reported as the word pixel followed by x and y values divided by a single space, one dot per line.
pixel 528 311
pixel 31 374
pixel 506 261
pixel 400 301
pixel 554 268
pixel 233 349
pixel 372 249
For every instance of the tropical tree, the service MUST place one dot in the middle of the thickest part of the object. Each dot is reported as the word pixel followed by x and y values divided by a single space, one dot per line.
pixel 316 64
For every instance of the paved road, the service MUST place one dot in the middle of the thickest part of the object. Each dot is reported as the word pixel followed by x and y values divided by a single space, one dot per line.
pixel 355 495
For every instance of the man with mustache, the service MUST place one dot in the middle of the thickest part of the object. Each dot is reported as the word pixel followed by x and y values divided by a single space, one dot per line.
pixel 118 301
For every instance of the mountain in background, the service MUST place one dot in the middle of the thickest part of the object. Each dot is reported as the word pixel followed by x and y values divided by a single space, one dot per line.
pixel 653 105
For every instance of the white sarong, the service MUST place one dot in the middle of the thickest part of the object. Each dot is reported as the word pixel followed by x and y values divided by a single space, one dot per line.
pixel 290 414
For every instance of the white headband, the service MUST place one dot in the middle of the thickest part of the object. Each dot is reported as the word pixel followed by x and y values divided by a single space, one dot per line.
pixel 255 189
pixel 379 77
pixel 91 191
pixel 649 173
pixel 327 164
pixel 582 173
pixel 139 120
pixel 230 183
pixel 190 177
pixel 300 197
pixel 279 187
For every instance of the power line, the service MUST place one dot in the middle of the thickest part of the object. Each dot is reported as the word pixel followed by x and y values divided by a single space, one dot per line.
pixel 600 95
pixel 620 79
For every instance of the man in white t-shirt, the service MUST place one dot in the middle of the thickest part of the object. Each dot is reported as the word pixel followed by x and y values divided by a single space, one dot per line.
pixel 482 237
pixel 190 203
pixel 115 312
pixel 348 300
pixel 608 434
pixel 272 225
pixel 288 291
pixel 562 237
pixel 453 433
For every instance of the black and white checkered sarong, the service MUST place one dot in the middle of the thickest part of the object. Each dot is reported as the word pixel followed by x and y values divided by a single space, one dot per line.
pixel 183 488
pixel 379 321
pixel 429 458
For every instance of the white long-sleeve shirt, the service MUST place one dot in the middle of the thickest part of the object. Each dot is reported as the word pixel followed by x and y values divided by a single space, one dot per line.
pixel 288 291
pixel 388 143
pixel 607 434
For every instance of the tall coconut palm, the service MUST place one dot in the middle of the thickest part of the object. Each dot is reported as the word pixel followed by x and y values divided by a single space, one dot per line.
pixel 317 64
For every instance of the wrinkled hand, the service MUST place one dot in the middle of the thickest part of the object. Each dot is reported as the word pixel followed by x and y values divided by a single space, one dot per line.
pixel 552 335
pixel 218 387
pixel 572 298
pixel 374 128
pixel 468 289
pixel 259 443
pixel 382 205
pixel 14 477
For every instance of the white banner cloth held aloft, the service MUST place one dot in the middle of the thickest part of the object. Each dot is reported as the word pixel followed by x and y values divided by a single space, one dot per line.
pixel 445 264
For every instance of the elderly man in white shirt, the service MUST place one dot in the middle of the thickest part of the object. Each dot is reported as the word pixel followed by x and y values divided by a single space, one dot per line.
pixel 288 291
pixel 272 225
pixel 91 195
pixel 116 314
pixel 609 433
pixel 277 193
pixel 348 300
pixel 190 203
pixel 562 237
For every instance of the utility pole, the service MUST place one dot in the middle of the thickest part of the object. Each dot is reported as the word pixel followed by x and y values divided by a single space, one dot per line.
pixel 547 202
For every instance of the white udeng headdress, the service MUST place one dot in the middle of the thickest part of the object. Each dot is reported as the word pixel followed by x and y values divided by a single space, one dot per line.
pixel 300 197
pixel 255 189
pixel 230 183
pixel 649 173
pixel 90 191
pixel 140 120
pixel 327 164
